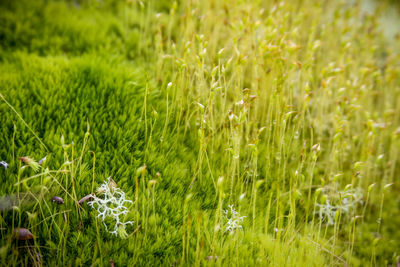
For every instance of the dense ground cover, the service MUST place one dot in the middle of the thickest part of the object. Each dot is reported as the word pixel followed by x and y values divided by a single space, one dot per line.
pixel 287 113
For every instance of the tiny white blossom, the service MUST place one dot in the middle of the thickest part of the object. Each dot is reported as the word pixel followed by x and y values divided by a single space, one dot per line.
pixel 111 205
pixel 5 164
pixel 233 219
pixel 350 198
pixel 42 160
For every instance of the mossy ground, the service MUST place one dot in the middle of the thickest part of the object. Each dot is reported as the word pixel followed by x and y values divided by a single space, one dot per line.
pixel 104 88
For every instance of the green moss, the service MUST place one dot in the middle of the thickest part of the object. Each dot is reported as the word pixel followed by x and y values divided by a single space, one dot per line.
pixel 85 83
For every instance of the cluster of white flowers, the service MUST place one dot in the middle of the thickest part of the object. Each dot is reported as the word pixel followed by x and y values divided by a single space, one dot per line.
pixel 349 200
pixel 111 205
pixel 233 219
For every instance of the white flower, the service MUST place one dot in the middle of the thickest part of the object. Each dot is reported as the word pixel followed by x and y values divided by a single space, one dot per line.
pixel 348 200
pixel 111 206
pixel 42 160
pixel 234 220
pixel 5 164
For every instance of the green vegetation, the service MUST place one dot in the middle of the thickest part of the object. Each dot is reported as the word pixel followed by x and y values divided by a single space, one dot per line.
pixel 245 133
